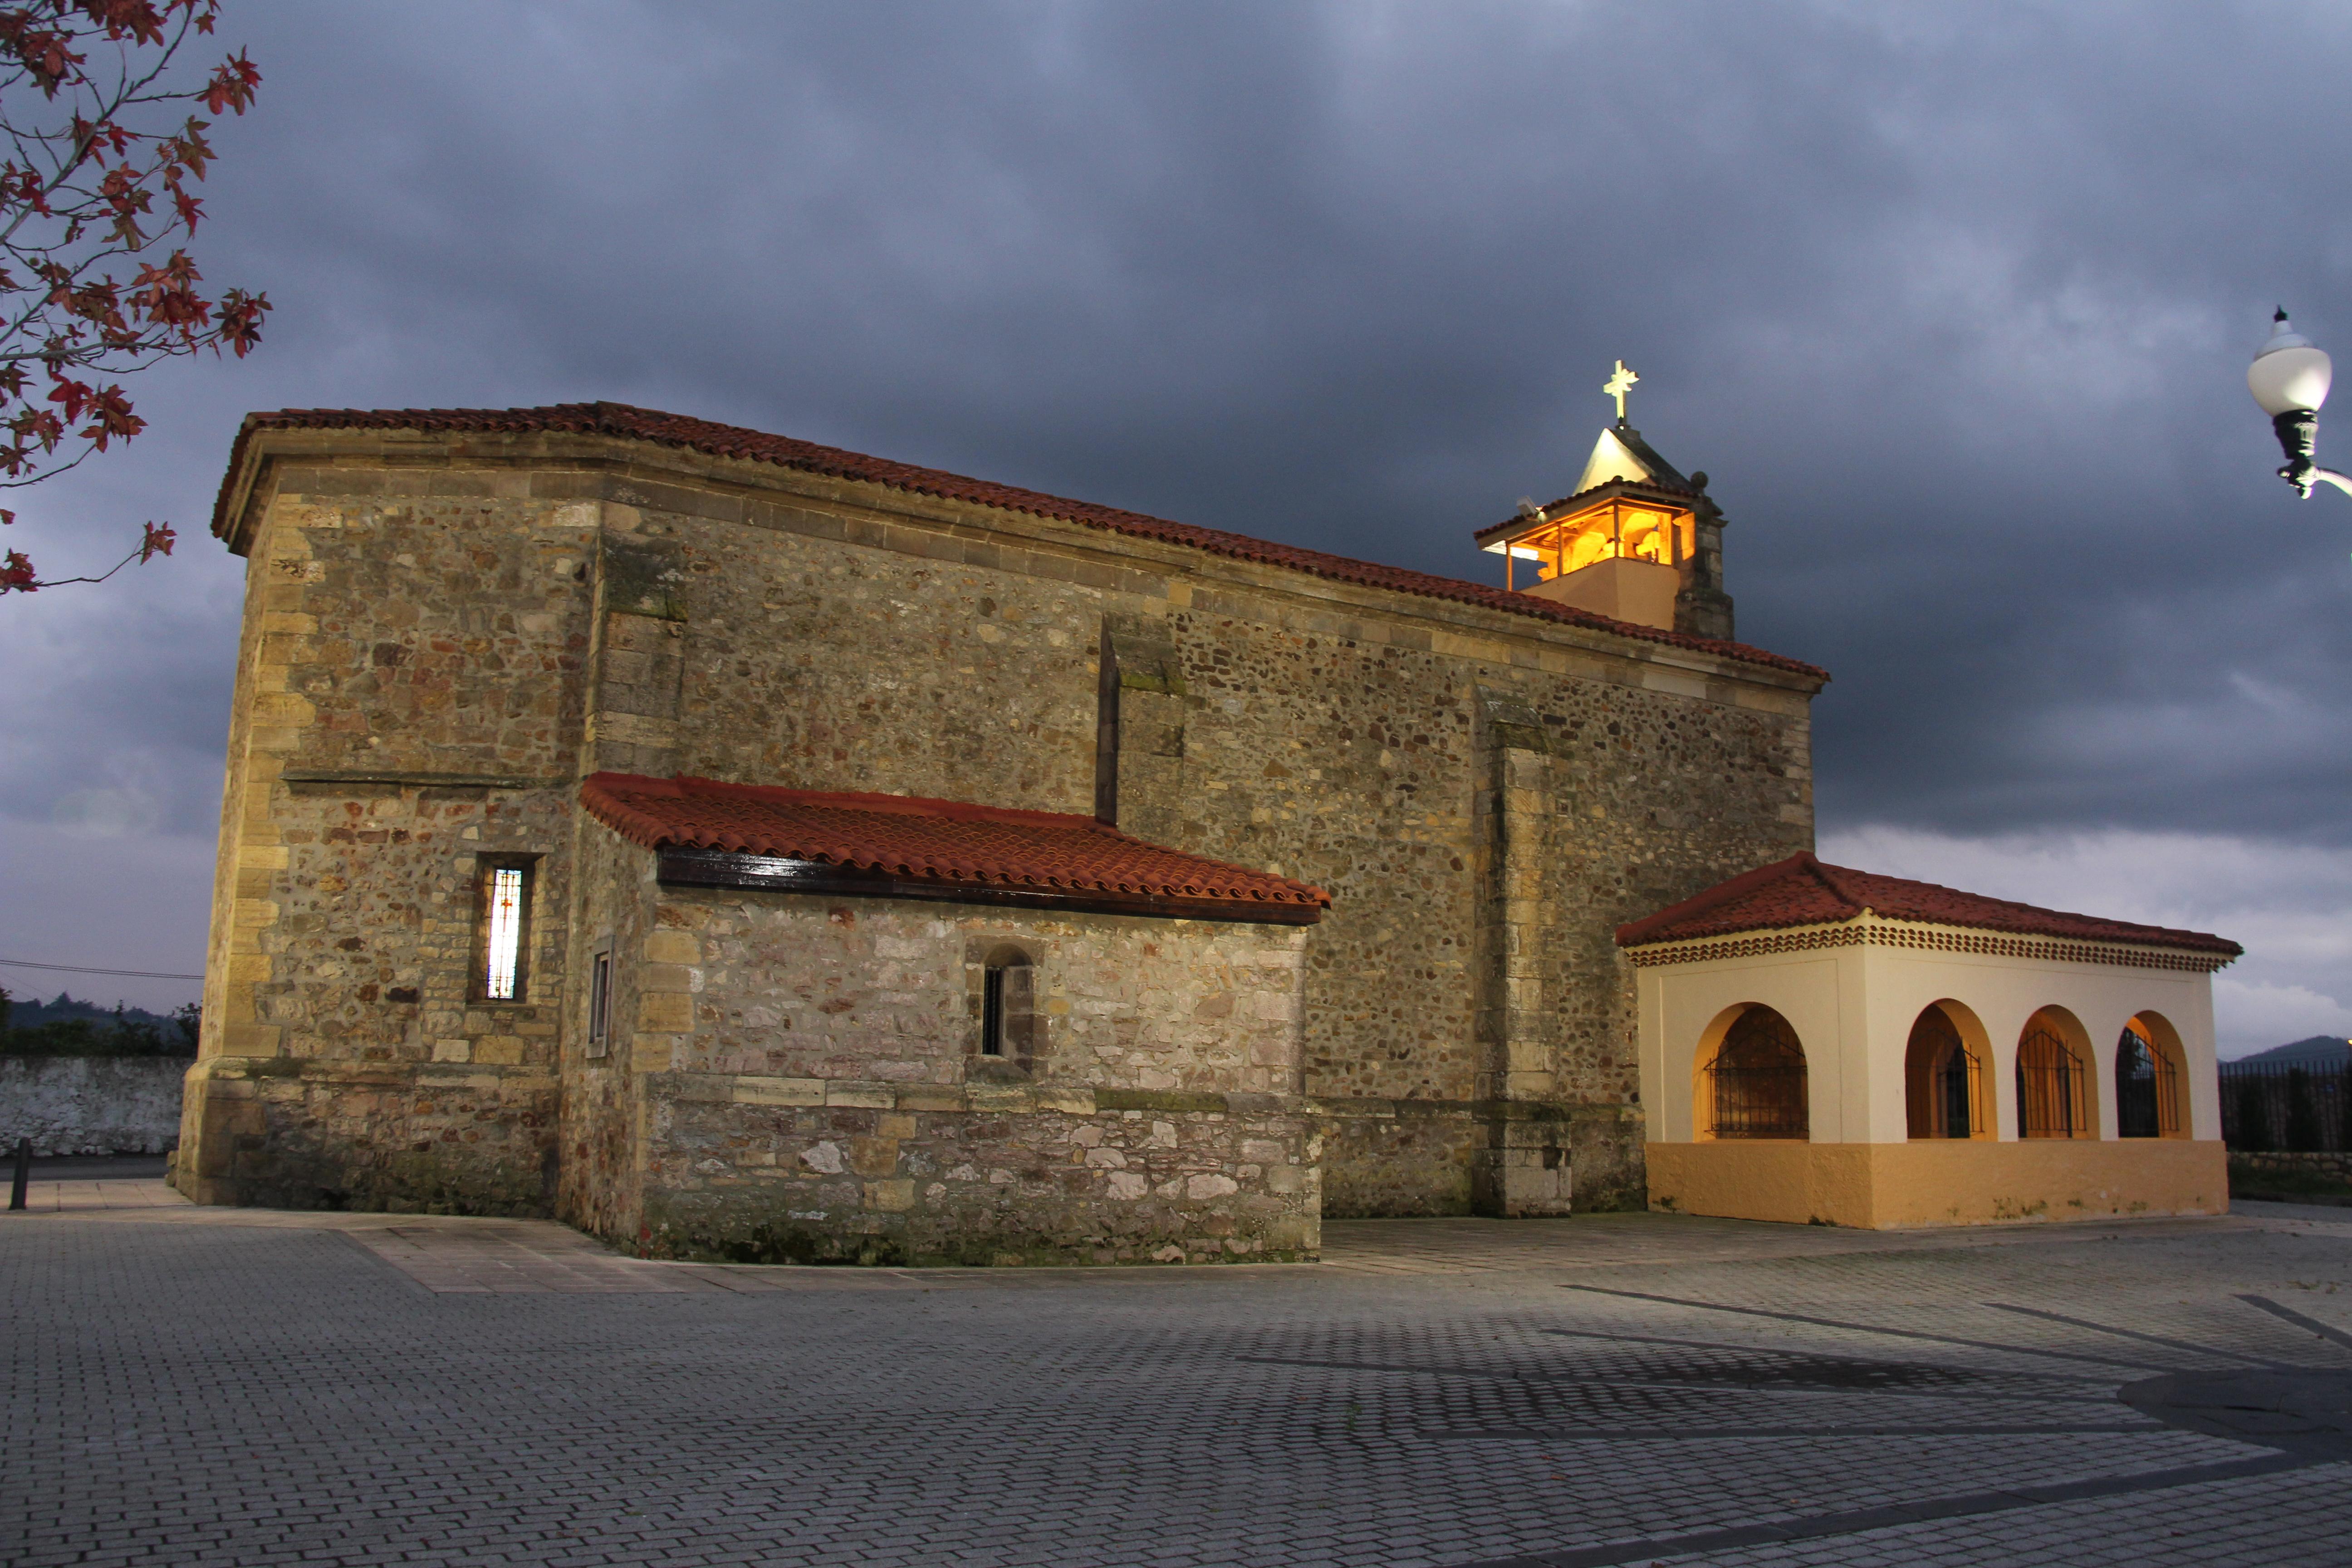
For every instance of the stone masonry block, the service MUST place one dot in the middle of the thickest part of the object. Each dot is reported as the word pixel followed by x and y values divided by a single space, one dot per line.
pixel 672 947
pixel 780 1091
pixel 890 1197
pixel 676 978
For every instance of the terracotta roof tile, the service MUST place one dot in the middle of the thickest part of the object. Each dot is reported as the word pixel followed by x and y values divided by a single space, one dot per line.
pixel 1802 891
pixel 937 841
pixel 620 420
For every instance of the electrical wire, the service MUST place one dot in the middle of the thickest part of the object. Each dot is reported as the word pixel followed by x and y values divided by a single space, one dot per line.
pixel 77 969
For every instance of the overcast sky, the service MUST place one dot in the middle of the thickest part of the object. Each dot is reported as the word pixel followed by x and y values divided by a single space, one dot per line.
pixel 1952 302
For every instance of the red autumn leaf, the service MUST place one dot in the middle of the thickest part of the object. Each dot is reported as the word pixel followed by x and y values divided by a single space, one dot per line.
pixel 111 419
pixel 73 395
pixel 233 85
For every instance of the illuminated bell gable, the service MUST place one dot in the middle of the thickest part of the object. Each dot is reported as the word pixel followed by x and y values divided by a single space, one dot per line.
pixel 1621 545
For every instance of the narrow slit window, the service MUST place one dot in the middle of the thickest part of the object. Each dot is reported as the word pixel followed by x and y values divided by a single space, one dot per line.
pixel 992 1012
pixel 1107 733
pixel 509 909
pixel 600 1002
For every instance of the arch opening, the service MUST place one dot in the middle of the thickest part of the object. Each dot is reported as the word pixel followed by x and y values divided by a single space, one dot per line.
pixel 2151 1081
pixel 2053 1084
pixel 1944 1078
pixel 1755 1085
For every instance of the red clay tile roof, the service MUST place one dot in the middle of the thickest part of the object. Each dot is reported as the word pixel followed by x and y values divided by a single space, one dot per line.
pixel 620 420
pixel 1802 891
pixel 937 841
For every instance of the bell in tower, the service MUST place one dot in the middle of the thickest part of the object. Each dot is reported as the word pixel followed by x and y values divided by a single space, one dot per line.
pixel 1636 541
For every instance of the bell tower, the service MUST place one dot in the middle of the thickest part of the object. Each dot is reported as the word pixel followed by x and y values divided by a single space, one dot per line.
pixel 1636 540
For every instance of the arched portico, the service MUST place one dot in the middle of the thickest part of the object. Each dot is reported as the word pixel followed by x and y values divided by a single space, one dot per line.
pixel 1957 1073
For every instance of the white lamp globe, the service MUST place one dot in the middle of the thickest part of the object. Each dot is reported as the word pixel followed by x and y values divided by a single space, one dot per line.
pixel 2289 374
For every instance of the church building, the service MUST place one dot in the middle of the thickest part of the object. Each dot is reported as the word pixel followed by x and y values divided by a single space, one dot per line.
pixel 744 849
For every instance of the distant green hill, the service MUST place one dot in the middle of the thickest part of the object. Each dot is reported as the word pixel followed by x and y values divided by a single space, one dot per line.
pixel 2318 1051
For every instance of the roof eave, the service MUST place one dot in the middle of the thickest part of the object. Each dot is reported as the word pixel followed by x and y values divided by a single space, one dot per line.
pixel 2220 947
pixel 784 874
pixel 236 497
pixel 260 438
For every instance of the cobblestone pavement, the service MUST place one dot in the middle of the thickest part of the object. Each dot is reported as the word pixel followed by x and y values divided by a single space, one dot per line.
pixel 190 1386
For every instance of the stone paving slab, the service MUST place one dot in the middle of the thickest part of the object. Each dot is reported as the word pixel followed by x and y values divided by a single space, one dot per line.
pixel 467 1253
pixel 235 1386
pixel 62 1197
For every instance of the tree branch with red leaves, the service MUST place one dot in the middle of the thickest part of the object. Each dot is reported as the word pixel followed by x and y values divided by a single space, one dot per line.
pixel 98 126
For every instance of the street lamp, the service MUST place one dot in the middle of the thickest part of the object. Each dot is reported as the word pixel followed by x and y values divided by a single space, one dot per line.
pixel 2289 378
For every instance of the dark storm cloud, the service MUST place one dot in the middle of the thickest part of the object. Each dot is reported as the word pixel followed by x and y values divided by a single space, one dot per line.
pixel 1953 303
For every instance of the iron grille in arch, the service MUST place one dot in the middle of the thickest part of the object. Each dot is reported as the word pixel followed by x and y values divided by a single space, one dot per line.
pixel 2148 1088
pixel 1757 1081
pixel 2050 1098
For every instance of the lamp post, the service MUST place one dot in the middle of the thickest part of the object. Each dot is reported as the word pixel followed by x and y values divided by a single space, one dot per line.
pixel 2289 378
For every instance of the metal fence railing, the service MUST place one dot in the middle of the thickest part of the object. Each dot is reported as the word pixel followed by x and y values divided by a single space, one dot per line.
pixel 2271 1106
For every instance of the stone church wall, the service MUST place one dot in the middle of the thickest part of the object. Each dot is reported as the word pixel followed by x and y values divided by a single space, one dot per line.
pixel 441 640
pixel 798 1079
pixel 413 701
pixel 1397 768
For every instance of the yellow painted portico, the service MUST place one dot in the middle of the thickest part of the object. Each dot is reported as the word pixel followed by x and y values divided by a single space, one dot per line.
pixel 1819 1043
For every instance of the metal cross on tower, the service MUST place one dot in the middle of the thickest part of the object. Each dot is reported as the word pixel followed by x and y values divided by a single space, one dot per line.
pixel 1617 385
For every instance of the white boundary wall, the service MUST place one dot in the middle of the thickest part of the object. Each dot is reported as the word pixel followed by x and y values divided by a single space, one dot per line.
pixel 90 1105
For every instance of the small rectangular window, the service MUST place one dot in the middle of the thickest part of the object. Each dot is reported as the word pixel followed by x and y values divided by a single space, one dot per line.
pixel 600 1002
pixel 503 958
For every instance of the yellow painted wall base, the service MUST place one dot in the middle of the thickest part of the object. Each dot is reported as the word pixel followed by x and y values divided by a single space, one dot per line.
pixel 1885 1186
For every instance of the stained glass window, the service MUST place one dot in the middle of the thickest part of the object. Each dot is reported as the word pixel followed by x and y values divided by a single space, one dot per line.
pixel 504 954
